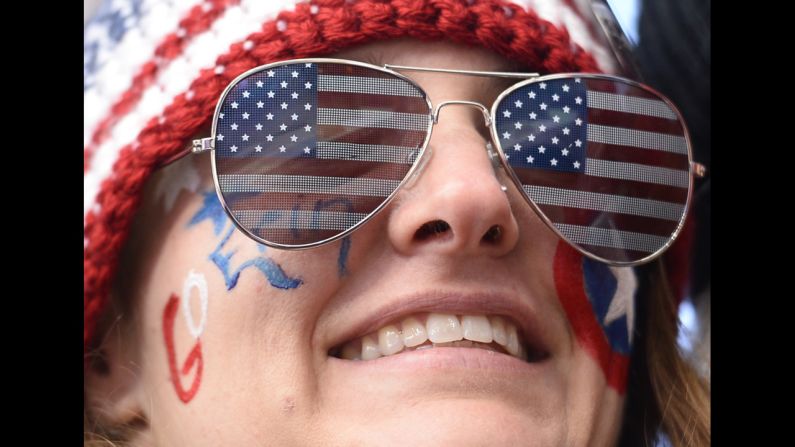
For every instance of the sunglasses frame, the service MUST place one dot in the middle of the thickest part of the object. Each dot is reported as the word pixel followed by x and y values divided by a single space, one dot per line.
pixel 208 144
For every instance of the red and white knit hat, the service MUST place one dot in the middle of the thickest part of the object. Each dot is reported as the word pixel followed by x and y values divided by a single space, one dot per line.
pixel 154 71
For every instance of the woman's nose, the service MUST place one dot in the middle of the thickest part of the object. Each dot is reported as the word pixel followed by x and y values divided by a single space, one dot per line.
pixel 457 205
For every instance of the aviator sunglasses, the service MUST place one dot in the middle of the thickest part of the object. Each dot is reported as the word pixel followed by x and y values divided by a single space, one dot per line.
pixel 306 151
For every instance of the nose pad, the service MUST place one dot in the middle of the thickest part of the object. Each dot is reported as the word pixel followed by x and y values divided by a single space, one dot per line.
pixel 497 165
pixel 426 157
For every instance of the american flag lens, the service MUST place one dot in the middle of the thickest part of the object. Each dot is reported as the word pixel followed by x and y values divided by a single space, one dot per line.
pixel 305 151
pixel 606 161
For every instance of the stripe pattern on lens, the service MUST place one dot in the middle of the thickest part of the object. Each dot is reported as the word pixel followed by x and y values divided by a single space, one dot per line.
pixel 604 160
pixel 305 151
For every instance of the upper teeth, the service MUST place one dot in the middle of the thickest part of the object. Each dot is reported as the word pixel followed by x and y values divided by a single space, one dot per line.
pixel 415 330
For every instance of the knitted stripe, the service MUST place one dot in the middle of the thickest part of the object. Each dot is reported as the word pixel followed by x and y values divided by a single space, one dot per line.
pixel 134 35
pixel 197 21
pixel 310 30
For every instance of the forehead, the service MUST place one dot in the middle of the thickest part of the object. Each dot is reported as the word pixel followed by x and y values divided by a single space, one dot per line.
pixel 440 54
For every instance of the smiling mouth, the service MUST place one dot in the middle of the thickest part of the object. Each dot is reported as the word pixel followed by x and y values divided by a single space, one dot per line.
pixel 438 330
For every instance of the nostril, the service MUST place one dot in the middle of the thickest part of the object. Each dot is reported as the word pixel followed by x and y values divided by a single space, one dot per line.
pixel 493 234
pixel 430 229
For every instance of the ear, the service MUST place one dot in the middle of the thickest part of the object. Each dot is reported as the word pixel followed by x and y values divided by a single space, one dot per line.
pixel 112 383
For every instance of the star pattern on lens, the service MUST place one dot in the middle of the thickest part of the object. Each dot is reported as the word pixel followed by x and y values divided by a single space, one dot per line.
pixel 271 113
pixel 549 117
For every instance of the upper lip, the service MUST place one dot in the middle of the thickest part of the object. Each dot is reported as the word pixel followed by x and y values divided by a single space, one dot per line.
pixel 507 305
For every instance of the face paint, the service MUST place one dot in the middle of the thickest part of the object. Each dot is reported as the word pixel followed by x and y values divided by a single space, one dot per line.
pixel 175 178
pixel 212 210
pixel 193 358
pixel 342 259
pixel 599 304
pixel 197 281
pixel 272 271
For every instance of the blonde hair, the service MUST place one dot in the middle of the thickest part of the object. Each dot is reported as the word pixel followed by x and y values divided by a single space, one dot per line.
pixel 665 392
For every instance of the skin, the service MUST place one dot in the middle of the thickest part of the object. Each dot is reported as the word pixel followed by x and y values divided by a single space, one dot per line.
pixel 267 378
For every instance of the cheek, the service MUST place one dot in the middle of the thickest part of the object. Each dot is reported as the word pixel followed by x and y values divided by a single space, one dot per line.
pixel 599 304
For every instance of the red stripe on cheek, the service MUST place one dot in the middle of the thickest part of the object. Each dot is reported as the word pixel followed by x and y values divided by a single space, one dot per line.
pixel 570 287
pixel 194 357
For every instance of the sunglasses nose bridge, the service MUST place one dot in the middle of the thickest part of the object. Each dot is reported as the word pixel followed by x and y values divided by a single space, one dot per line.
pixel 477 105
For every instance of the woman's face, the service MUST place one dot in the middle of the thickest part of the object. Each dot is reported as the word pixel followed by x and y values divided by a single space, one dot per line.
pixel 240 345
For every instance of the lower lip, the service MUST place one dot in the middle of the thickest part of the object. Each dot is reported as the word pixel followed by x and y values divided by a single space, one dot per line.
pixel 443 358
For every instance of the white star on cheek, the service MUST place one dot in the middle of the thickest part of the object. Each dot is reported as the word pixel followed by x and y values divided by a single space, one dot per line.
pixel 623 302
pixel 176 179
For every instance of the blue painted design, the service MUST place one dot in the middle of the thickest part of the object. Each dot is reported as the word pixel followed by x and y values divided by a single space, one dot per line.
pixel 600 288
pixel 342 260
pixel 276 276
pixel 211 209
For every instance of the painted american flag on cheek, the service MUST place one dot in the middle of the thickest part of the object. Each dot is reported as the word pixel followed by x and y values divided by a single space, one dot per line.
pixel 307 150
pixel 599 301
pixel 606 161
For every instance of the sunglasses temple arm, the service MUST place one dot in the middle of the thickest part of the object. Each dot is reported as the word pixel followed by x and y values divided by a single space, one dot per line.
pixel 203 145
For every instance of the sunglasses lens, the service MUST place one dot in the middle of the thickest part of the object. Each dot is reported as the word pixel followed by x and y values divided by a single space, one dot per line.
pixel 606 161
pixel 305 151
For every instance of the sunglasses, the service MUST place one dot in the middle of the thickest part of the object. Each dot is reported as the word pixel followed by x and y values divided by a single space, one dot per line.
pixel 306 151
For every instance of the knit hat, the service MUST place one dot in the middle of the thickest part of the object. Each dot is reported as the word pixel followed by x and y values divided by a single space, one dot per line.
pixel 153 72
